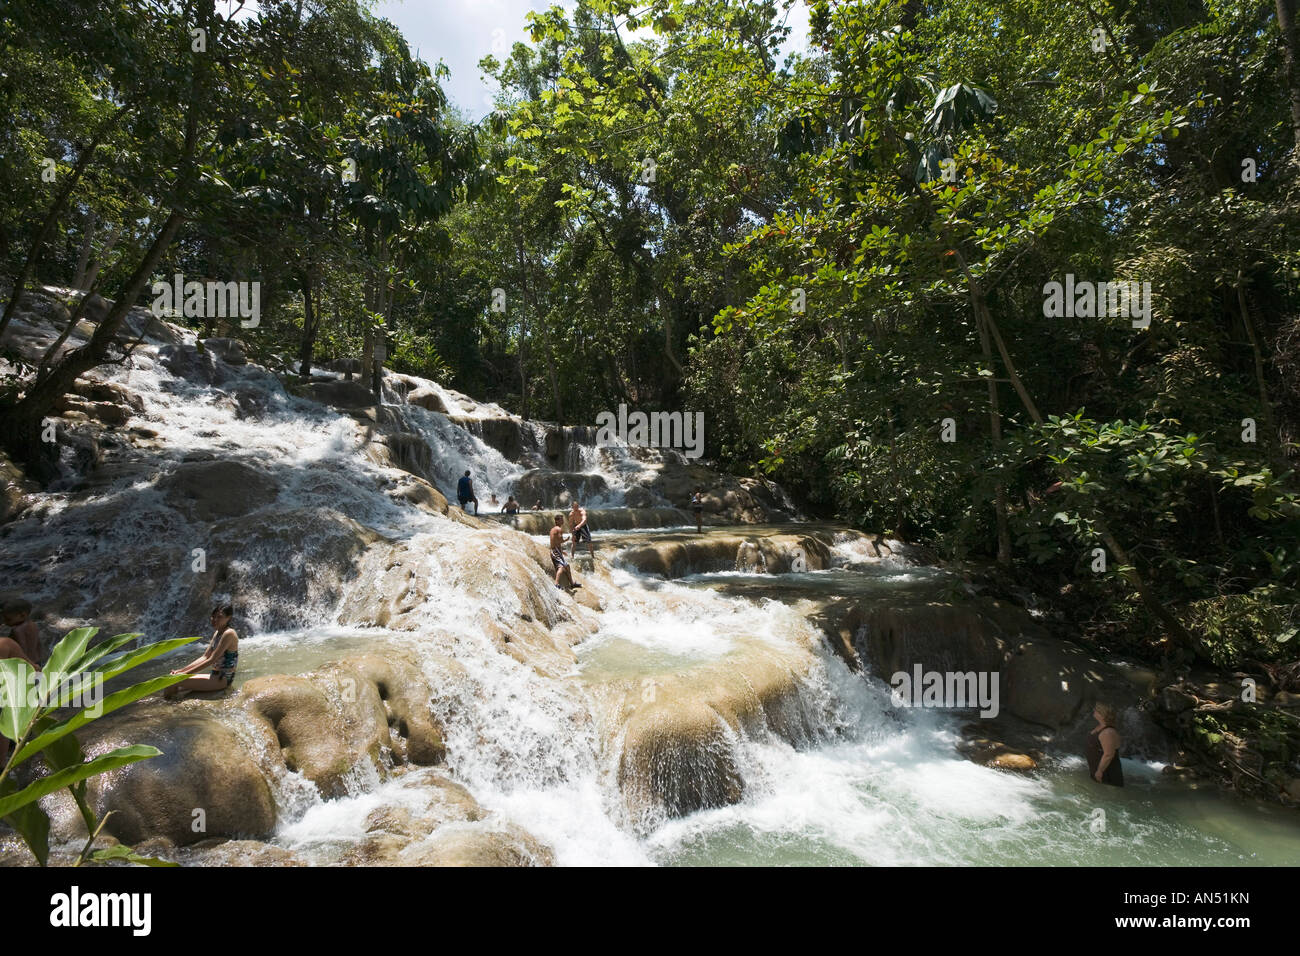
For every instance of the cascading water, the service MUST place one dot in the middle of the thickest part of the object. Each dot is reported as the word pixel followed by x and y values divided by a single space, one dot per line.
pixel 829 771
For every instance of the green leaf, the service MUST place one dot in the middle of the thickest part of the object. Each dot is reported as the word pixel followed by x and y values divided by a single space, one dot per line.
pixel 71 649
pixel 16 710
pixel 139 656
pixel 122 852
pixel 66 778
pixel 110 646
pixel 31 822
pixel 112 702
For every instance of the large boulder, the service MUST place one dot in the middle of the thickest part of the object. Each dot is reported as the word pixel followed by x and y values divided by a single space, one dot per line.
pixel 682 554
pixel 338 394
pixel 681 730
pixel 143 324
pixel 415 734
pixel 325 725
pixel 187 362
pixel 508 845
pixel 439 823
pixel 224 488
pixel 230 351
pixel 940 636
pixel 427 398
pixel 205 784
pixel 558 489
pixel 15 490
pixel 420 493
pixel 1056 683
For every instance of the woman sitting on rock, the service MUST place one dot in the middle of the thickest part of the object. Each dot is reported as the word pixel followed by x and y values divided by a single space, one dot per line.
pixel 220 659
pixel 1103 747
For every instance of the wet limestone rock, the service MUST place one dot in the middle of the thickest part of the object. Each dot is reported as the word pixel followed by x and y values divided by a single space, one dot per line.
pixel 230 351
pixel 420 493
pixel 443 825
pixel 204 767
pixel 415 734
pixel 223 488
pixel 1054 683
pixel 509 845
pixel 340 394
pixel 673 556
pixel 427 398
pixel 940 636
pixel 324 724
pixel 680 730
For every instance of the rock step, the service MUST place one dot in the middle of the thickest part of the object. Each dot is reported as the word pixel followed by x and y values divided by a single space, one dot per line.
pixel 601 519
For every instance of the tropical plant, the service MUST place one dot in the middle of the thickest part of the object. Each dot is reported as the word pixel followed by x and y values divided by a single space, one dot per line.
pixel 32 715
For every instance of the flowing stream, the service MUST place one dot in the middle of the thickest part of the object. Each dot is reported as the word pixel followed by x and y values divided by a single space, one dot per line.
pixel 868 783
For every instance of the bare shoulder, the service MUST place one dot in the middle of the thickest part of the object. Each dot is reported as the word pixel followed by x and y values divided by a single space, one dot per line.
pixel 1110 735
pixel 229 637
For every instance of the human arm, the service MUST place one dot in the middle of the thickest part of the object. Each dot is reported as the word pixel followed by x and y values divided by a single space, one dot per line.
pixel 9 648
pixel 208 658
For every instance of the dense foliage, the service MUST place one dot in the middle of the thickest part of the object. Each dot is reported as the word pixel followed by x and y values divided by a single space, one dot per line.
pixel 842 256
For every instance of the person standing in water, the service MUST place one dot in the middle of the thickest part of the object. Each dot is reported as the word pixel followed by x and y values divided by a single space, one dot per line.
pixel 220 659
pixel 581 530
pixel 557 553
pixel 511 507
pixel 697 505
pixel 1103 748
pixel 465 492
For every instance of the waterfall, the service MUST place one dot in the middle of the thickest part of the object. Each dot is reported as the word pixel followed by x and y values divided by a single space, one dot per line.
pixel 695 720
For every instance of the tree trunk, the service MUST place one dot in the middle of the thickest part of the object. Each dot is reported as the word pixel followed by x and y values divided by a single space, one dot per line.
pixel 20 424
pixel 995 428
pixel 1132 575
pixel 984 325
pixel 1286 23
pixel 52 217
pixel 83 257
pixel 1265 406
pixel 97 263
pixel 523 322
pixel 309 322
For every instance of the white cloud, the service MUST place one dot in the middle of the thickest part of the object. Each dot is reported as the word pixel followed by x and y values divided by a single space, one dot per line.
pixel 462 32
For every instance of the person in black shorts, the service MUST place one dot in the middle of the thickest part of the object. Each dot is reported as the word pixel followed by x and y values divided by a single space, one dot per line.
pixel 465 492
pixel 581 530
pixel 697 505
pixel 558 560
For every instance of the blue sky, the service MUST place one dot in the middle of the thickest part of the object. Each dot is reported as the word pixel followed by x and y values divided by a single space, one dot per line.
pixel 462 32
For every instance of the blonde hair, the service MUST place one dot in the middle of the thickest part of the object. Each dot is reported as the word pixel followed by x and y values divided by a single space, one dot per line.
pixel 1109 714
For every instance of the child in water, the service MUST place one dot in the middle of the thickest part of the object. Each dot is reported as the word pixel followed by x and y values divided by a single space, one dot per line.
pixel 220 659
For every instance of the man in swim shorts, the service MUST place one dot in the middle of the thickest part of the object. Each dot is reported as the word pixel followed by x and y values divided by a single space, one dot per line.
pixel 557 552
pixel 581 530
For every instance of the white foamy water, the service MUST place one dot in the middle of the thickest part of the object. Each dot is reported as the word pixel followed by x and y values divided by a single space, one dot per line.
pixel 869 785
